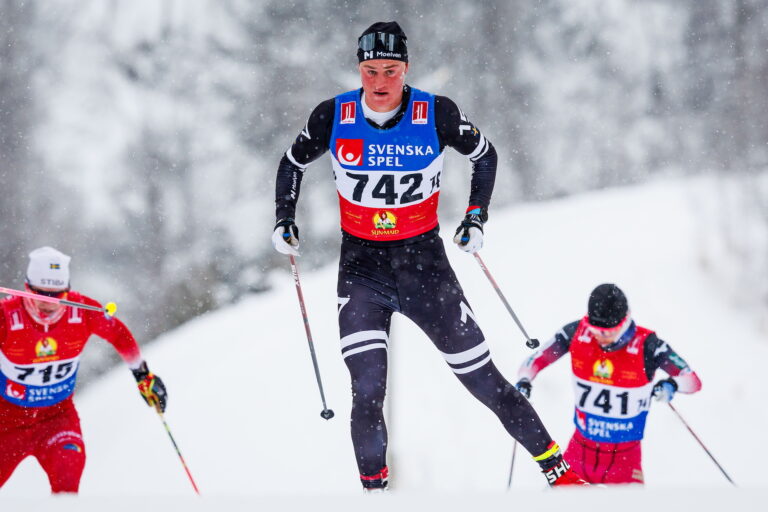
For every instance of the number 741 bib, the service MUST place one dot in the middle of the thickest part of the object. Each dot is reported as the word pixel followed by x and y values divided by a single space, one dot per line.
pixel 611 414
pixel 611 388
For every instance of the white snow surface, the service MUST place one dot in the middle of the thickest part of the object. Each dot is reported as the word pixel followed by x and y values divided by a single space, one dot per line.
pixel 244 406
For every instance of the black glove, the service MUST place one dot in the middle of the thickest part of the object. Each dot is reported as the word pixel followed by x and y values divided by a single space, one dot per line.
pixel 469 234
pixel 285 238
pixel 524 387
pixel 151 387
pixel 665 390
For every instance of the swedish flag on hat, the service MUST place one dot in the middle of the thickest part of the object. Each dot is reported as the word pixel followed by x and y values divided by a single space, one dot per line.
pixel 48 268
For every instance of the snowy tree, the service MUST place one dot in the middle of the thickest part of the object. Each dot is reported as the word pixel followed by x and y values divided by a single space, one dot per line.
pixel 17 107
pixel 143 137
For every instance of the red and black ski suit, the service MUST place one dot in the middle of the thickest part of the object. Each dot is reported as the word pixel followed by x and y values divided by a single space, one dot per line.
pixel 612 387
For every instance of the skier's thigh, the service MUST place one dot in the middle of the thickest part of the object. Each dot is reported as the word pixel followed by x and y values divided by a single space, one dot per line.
pixel 13 449
pixel 61 453
pixel 626 468
pixel 443 313
pixel 363 321
pixel 64 464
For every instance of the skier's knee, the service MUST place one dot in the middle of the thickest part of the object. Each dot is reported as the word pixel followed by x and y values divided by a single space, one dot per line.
pixel 369 392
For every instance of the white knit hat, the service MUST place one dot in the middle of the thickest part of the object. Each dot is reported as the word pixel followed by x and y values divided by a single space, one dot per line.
pixel 48 268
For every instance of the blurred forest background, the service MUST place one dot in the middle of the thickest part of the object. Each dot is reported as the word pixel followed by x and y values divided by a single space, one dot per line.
pixel 142 136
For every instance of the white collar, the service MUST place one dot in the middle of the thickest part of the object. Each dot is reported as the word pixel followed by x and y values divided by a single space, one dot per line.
pixel 380 118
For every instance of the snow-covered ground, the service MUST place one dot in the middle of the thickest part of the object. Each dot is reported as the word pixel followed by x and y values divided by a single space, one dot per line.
pixel 627 500
pixel 244 405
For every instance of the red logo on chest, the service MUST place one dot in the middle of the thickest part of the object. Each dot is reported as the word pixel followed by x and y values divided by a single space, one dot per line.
pixel 349 151
pixel 420 109
pixel 17 391
pixel 348 112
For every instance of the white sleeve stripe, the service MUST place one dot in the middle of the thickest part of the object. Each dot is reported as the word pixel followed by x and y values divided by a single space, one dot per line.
pixel 473 367
pixel 482 154
pixel 481 144
pixel 293 160
pixel 364 348
pixel 357 337
pixel 467 355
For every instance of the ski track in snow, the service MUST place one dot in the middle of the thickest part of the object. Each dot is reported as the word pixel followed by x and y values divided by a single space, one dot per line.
pixel 244 405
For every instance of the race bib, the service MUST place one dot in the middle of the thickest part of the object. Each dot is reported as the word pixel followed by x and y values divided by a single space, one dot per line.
pixel 609 413
pixel 37 384
pixel 388 181
pixel 382 189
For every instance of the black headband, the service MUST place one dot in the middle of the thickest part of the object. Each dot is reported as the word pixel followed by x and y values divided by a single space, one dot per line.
pixel 382 40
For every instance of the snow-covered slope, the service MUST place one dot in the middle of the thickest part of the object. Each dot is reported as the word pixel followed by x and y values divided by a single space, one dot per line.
pixel 244 406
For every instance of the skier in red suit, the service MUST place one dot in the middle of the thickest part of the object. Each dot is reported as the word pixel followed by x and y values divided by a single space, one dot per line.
pixel 40 347
pixel 613 362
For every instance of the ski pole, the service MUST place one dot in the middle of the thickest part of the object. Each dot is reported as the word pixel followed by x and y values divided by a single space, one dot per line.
pixel 701 444
pixel 512 465
pixel 110 309
pixel 530 342
pixel 326 413
pixel 178 452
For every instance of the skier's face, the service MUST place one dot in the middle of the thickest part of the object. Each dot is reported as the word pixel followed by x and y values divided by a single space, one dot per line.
pixel 383 82
pixel 604 339
pixel 607 335
pixel 47 308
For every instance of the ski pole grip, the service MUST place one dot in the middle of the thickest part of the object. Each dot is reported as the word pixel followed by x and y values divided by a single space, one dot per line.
pixel 532 343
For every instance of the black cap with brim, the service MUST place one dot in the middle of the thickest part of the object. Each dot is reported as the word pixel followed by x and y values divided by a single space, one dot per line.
pixel 382 40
